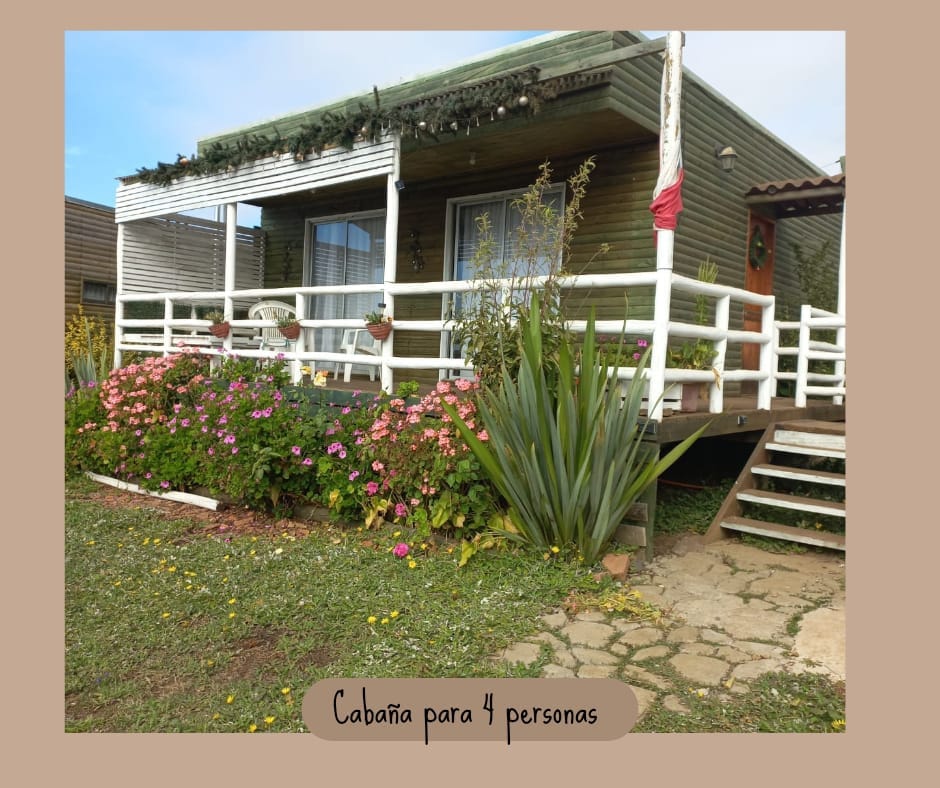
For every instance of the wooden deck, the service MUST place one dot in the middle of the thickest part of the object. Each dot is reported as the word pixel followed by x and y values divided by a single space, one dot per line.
pixel 741 416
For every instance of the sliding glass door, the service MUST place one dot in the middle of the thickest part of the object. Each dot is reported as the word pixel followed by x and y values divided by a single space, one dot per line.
pixel 346 250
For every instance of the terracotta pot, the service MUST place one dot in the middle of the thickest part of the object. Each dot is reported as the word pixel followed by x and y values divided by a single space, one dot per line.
pixel 220 330
pixel 379 330
pixel 291 332
pixel 690 392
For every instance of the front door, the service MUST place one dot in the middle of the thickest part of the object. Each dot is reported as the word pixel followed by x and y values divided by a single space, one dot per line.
pixel 758 278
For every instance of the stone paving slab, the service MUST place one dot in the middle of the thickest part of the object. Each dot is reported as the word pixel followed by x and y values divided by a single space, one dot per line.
pixel 728 616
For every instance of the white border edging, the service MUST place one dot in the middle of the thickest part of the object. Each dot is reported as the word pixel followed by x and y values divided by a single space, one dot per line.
pixel 180 497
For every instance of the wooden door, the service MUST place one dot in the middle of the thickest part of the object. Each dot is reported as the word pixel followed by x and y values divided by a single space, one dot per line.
pixel 758 278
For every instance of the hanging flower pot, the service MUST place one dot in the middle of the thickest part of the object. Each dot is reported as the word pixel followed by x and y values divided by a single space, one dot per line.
pixel 380 330
pixel 291 331
pixel 220 330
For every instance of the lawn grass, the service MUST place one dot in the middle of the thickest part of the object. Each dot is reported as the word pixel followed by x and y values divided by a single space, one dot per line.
pixel 169 628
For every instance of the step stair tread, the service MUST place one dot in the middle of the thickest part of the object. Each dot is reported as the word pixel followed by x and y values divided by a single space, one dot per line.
pixel 800 474
pixel 813 425
pixel 798 502
pixel 815 451
pixel 822 440
pixel 787 532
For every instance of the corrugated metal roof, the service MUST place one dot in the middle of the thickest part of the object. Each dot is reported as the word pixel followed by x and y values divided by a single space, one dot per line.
pixel 799 196
pixel 797 184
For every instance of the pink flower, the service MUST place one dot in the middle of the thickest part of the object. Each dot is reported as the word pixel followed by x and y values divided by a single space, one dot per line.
pixel 400 550
pixel 353 475
pixel 401 511
pixel 372 488
pixel 295 450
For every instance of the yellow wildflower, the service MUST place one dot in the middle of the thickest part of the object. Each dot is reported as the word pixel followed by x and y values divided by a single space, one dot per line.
pixel 285 690
pixel 232 601
pixel 555 548
pixel 232 614
pixel 371 620
pixel 157 540
pixel 412 563
pixel 90 542
pixel 165 615
pixel 252 728
pixel 230 698
pixel 269 720
pixel 394 614
pixel 384 621
pixel 216 716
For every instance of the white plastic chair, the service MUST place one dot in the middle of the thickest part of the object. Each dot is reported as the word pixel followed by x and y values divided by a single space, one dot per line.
pixel 356 340
pixel 270 336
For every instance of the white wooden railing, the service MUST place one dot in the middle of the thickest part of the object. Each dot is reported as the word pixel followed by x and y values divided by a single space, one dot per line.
pixel 164 334
pixel 807 349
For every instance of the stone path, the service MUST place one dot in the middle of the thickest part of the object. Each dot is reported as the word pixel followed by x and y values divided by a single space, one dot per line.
pixel 730 613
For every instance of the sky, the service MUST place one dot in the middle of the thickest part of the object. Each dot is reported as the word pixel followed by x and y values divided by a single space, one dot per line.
pixel 133 98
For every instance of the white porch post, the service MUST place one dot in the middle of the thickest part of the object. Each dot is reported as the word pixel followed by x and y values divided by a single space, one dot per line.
pixel 391 261
pixel 670 163
pixel 231 225
pixel 118 303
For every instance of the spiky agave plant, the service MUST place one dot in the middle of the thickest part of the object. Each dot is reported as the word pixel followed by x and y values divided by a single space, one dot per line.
pixel 564 450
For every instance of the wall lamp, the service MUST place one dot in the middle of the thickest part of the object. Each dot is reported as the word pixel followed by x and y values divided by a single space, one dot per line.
pixel 417 258
pixel 726 157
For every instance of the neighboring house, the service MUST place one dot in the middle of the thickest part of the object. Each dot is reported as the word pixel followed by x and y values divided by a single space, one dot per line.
pixel 389 217
pixel 90 259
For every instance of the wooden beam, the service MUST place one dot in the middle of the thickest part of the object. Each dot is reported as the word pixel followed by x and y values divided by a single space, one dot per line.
pixel 607 58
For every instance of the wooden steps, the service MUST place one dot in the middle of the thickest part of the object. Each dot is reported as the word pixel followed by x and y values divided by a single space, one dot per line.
pixel 780 477
pixel 787 532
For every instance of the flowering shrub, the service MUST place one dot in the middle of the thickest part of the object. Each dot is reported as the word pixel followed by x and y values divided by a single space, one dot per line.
pixel 342 474
pixel 426 477
pixel 104 433
pixel 168 424
pixel 620 351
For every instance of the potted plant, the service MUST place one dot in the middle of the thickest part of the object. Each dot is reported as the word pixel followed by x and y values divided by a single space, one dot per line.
pixel 289 326
pixel 627 352
pixel 220 326
pixel 697 354
pixel 378 323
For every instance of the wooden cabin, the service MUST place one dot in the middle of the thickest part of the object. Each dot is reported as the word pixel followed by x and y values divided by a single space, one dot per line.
pixel 372 201
pixel 90 259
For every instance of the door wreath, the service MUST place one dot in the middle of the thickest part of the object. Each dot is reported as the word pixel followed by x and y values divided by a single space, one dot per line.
pixel 757 251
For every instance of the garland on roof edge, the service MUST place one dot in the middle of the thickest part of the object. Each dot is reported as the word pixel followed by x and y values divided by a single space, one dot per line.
pixel 446 113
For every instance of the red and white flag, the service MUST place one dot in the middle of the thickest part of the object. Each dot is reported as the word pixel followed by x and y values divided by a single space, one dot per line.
pixel 667 195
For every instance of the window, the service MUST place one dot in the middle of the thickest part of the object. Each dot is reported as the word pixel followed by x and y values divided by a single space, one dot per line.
pixel 98 292
pixel 504 220
pixel 344 251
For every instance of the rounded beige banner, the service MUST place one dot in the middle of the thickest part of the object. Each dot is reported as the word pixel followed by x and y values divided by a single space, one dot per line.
pixel 507 710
